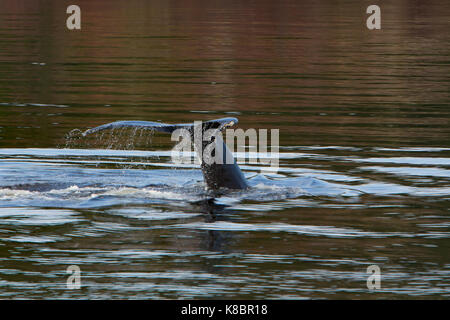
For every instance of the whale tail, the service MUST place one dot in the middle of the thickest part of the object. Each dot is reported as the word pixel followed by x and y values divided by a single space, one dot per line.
pixel 219 124
pixel 225 174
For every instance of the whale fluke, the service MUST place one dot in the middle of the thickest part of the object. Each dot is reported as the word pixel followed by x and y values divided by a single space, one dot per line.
pixel 163 127
pixel 225 174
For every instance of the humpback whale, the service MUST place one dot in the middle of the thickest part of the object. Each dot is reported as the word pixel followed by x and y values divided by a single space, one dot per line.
pixel 219 174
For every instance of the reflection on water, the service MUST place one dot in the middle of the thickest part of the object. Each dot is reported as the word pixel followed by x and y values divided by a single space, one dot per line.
pixel 140 229
pixel 364 165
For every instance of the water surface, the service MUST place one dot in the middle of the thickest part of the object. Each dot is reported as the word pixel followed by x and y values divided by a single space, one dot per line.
pixel 364 172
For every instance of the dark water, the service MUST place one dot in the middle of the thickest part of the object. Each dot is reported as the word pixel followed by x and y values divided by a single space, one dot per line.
pixel 364 173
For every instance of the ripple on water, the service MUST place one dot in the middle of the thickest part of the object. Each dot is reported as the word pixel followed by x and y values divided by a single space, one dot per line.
pixel 158 217
pixel 308 230
pixel 150 213
pixel 38 217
